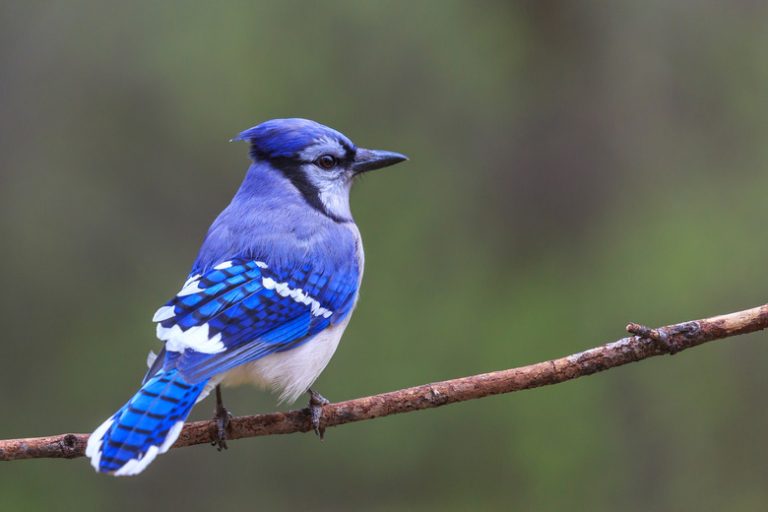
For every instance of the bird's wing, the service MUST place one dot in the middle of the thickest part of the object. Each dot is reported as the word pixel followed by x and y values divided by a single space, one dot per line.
pixel 242 310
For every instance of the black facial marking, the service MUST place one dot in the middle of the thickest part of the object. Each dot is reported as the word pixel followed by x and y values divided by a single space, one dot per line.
pixel 291 169
pixel 349 152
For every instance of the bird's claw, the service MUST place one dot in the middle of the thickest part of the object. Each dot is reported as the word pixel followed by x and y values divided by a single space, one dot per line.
pixel 222 418
pixel 316 403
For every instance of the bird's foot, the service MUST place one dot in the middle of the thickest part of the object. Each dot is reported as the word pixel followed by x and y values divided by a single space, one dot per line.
pixel 316 403
pixel 222 418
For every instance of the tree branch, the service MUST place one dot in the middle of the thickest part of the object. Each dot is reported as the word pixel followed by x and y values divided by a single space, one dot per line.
pixel 643 344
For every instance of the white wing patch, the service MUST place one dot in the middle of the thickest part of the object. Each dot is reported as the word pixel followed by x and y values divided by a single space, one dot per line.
pixel 164 313
pixel 191 287
pixel 297 294
pixel 195 338
pixel 151 357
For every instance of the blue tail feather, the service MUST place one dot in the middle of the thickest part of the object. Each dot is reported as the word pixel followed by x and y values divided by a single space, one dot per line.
pixel 145 426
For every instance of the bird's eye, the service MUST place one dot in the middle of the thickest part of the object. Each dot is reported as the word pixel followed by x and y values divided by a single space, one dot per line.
pixel 326 162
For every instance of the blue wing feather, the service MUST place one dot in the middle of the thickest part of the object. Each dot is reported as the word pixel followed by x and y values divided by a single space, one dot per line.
pixel 255 309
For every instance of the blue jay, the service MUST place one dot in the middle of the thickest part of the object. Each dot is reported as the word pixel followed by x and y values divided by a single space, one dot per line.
pixel 268 297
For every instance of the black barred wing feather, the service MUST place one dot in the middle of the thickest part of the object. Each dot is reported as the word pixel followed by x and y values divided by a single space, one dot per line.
pixel 242 310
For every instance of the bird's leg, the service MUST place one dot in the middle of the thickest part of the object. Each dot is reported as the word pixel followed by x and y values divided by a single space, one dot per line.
pixel 221 417
pixel 316 403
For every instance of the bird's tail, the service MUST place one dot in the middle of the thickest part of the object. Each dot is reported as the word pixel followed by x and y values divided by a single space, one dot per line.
pixel 147 425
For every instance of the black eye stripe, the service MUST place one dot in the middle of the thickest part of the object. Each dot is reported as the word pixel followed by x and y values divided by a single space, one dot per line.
pixel 291 168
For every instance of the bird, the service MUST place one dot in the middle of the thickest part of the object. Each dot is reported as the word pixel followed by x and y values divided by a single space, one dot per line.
pixel 267 299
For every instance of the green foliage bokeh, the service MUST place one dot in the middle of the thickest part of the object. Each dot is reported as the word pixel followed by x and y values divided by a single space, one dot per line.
pixel 574 166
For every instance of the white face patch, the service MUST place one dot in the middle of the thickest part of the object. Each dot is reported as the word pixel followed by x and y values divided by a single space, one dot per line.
pixel 333 185
pixel 336 201
pixel 333 189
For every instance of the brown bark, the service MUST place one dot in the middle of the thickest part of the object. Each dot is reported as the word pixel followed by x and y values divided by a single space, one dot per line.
pixel 643 344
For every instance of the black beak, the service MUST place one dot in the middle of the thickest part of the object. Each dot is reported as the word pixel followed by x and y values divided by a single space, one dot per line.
pixel 372 159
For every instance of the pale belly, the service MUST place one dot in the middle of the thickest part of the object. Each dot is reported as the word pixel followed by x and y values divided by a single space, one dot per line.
pixel 290 373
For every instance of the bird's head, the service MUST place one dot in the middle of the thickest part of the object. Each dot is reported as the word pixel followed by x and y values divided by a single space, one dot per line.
pixel 320 162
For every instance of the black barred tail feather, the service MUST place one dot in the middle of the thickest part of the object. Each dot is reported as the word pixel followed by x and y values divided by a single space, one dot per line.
pixel 146 426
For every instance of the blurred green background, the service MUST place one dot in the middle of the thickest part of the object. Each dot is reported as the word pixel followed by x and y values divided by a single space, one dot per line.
pixel 574 166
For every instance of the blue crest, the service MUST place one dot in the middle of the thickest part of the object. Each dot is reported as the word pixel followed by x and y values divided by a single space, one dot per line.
pixel 287 137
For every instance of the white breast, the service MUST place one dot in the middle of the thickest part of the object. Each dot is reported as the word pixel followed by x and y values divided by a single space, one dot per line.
pixel 292 372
